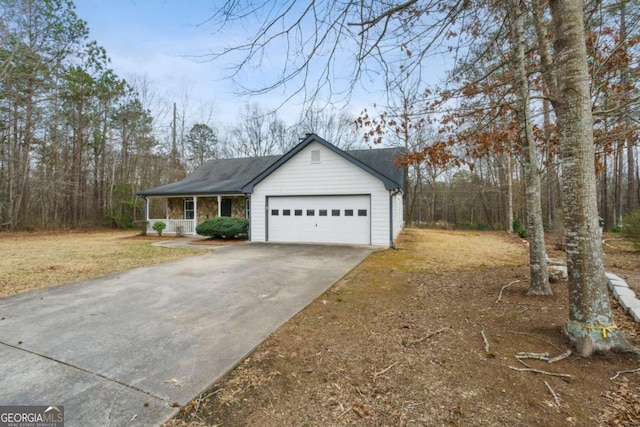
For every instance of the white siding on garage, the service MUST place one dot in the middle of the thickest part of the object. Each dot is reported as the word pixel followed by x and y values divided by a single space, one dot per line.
pixel 332 175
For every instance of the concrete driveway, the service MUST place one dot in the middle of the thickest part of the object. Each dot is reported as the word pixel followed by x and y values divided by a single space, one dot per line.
pixel 118 350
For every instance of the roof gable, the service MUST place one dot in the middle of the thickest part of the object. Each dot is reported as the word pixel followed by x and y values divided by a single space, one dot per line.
pixel 379 164
pixel 240 175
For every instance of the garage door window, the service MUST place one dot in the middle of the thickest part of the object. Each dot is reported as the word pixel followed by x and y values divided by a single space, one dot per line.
pixel 335 212
pixel 362 212
pixel 348 212
pixel 298 212
pixel 286 212
pixel 322 212
pixel 311 212
pixel 274 212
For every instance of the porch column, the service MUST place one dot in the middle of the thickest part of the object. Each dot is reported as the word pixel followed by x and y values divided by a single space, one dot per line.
pixel 219 205
pixel 195 213
pixel 146 215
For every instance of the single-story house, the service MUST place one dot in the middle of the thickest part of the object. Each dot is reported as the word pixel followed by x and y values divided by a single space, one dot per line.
pixel 315 193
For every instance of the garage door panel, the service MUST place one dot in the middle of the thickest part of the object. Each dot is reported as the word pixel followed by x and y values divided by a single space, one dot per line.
pixel 320 219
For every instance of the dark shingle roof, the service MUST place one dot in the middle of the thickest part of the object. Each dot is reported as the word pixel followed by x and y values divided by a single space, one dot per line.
pixel 218 176
pixel 383 161
pixel 235 176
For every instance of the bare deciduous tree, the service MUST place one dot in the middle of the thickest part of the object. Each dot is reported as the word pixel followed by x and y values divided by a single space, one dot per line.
pixel 539 282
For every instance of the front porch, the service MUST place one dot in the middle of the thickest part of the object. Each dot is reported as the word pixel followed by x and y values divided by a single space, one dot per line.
pixel 176 227
pixel 182 214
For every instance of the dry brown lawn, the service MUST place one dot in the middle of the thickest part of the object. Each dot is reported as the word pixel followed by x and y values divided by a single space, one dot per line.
pixel 35 260
pixel 445 250
pixel 398 342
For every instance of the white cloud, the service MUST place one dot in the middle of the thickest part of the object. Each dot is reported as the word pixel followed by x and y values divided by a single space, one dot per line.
pixel 162 42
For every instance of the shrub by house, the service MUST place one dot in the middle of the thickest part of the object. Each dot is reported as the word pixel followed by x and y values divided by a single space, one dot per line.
pixel 224 227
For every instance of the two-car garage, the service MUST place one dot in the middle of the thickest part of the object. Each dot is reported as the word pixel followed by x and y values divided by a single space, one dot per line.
pixel 319 219
pixel 318 193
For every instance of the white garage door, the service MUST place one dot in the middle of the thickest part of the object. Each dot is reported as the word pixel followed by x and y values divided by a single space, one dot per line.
pixel 319 219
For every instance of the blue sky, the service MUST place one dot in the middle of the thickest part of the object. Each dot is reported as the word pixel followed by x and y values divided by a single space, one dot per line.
pixel 161 40
pixel 157 40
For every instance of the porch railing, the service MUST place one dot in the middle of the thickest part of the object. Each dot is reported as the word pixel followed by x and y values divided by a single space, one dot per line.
pixel 174 226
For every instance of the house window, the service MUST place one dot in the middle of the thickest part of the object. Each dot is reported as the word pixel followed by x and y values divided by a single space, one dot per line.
pixel 348 212
pixel 298 212
pixel 225 207
pixel 335 212
pixel 322 212
pixel 274 212
pixel 362 212
pixel 311 212
pixel 315 156
pixel 189 209
pixel 286 212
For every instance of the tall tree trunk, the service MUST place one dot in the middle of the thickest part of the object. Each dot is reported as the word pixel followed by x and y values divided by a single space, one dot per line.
pixel 590 326
pixel 509 193
pixel 539 283
pixel 76 164
pixel 632 196
pixel 552 171
pixel 20 213
pixel 604 197
pixel 619 180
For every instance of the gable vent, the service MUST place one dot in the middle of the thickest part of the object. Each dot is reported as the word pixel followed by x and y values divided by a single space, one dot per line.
pixel 315 156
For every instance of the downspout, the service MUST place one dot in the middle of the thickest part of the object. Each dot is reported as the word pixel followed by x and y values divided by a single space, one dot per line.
pixel 248 212
pixel 392 245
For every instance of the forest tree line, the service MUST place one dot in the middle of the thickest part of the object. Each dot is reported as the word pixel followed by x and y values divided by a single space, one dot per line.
pixel 78 141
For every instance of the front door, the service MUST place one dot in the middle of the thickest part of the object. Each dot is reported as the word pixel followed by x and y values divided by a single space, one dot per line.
pixel 225 209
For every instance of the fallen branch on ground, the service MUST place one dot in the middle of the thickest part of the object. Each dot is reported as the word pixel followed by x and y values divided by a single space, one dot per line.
pixel 385 370
pixel 263 410
pixel 537 356
pixel 604 242
pixel 344 412
pixel 560 357
pixel 538 371
pixel 212 393
pixel 487 348
pixel 522 363
pixel 426 337
pixel 630 371
pixel 505 287
pixel 555 396
pixel 485 340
